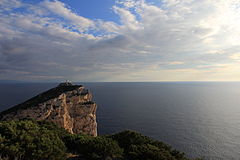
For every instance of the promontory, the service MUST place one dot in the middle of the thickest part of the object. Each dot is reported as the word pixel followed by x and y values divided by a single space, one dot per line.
pixel 69 106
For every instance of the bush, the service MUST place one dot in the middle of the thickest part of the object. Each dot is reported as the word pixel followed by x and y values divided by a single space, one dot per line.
pixel 94 148
pixel 148 152
pixel 137 147
pixel 40 140
pixel 27 140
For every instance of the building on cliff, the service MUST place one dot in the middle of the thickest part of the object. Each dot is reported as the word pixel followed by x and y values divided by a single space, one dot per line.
pixel 67 105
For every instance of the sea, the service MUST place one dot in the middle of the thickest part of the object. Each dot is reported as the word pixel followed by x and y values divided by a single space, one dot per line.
pixel 201 119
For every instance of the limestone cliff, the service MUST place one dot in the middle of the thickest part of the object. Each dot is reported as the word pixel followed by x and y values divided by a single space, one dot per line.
pixel 66 105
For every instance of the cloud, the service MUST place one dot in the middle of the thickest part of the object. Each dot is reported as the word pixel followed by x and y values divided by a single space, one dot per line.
pixel 127 18
pixel 60 9
pixel 176 63
pixel 177 40
pixel 7 5
pixel 235 57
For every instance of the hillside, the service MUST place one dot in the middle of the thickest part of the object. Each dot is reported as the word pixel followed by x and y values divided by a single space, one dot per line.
pixel 41 140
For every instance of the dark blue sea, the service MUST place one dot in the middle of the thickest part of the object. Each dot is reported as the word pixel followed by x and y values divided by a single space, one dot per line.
pixel 201 119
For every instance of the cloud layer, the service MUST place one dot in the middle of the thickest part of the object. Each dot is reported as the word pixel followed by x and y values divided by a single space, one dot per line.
pixel 175 41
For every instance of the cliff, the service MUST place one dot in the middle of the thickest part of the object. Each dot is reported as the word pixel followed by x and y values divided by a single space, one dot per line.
pixel 68 106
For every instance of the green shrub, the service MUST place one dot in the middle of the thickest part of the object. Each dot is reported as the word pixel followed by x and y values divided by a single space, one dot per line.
pixel 94 148
pixel 137 147
pixel 148 152
pixel 41 140
pixel 27 140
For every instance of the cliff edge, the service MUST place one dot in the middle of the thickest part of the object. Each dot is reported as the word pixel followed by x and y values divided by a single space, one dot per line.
pixel 67 105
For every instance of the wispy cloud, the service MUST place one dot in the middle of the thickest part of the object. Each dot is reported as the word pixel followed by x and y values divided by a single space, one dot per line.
pixel 178 40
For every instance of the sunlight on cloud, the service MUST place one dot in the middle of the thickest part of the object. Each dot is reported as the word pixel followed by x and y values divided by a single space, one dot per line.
pixel 235 57
pixel 176 63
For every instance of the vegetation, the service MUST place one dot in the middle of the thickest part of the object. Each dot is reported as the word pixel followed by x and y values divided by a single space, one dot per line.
pixel 94 148
pixel 28 140
pixel 40 140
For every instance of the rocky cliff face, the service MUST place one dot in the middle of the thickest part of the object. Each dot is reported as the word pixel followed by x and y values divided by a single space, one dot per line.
pixel 67 105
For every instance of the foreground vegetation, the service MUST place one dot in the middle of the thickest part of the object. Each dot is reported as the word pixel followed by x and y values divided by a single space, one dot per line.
pixel 40 140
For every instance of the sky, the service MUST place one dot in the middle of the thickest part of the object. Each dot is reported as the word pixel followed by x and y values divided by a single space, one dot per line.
pixel 120 40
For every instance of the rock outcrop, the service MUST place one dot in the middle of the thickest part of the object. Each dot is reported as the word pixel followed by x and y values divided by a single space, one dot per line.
pixel 68 106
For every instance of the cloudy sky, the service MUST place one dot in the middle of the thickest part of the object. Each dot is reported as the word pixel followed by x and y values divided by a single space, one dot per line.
pixel 120 40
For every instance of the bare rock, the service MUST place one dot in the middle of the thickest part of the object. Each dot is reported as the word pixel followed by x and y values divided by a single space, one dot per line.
pixel 68 106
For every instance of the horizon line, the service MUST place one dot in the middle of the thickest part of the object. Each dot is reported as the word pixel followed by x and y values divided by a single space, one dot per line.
pixel 19 81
